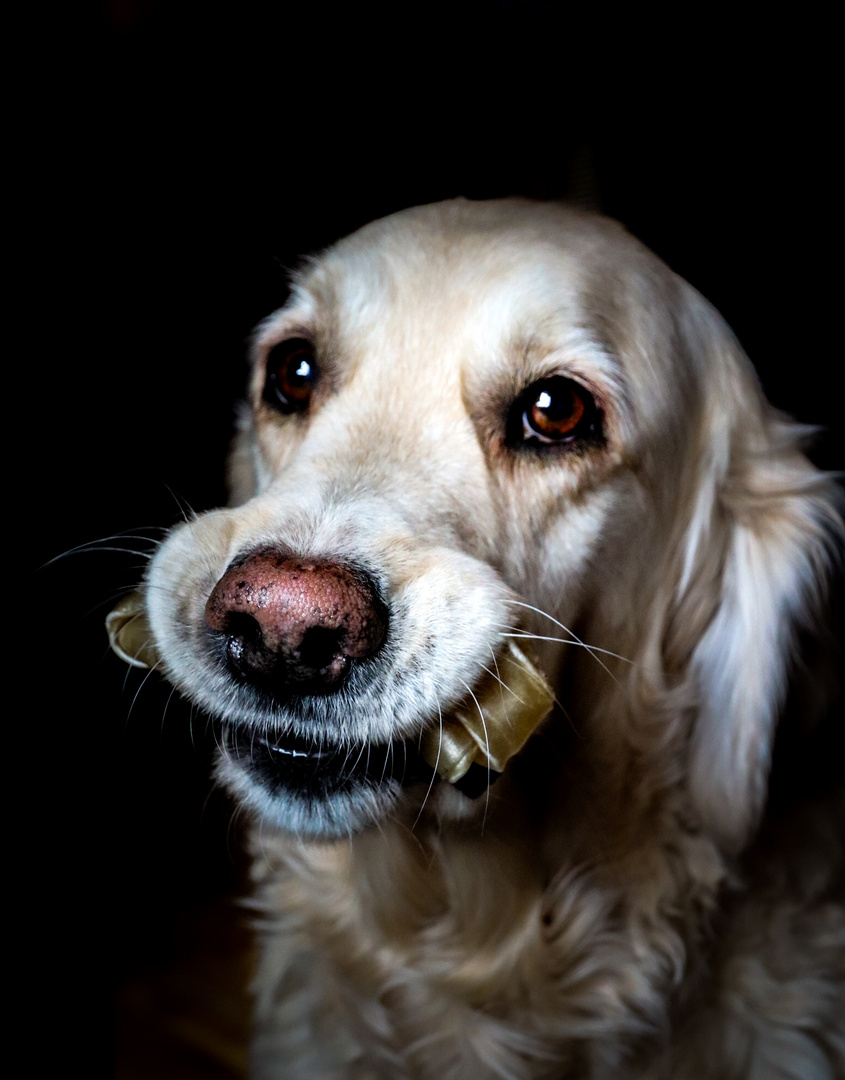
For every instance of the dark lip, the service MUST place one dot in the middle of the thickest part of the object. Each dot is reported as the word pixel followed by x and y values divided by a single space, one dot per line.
pixel 290 765
pixel 286 765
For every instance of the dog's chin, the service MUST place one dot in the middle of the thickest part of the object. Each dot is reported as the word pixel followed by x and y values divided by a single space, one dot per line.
pixel 316 789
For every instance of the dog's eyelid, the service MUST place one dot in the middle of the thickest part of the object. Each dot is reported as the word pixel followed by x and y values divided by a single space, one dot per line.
pixel 581 359
pixel 264 342
pixel 291 321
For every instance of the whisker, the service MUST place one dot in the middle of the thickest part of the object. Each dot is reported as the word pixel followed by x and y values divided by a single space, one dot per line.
pixel 504 685
pixel 434 774
pixel 555 698
pixel 185 509
pixel 572 634
pixel 97 549
pixel 567 641
pixel 108 600
pixel 365 748
pixel 498 678
pixel 388 757
pixel 147 675
pixel 190 718
pixel 487 748
pixel 102 544
pixel 218 735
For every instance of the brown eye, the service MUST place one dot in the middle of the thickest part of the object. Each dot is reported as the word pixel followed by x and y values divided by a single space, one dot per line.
pixel 556 411
pixel 291 372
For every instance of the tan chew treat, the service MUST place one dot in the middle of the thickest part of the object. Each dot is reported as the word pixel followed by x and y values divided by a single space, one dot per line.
pixel 129 632
pixel 492 725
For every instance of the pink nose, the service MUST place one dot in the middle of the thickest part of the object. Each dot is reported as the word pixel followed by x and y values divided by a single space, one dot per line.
pixel 295 625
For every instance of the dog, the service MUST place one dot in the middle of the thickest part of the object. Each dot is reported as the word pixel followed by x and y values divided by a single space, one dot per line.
pixel 498 629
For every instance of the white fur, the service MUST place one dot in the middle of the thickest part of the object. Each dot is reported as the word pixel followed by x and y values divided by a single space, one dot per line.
pixel 595 915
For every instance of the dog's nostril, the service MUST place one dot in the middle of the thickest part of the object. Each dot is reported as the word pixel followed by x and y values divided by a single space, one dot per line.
pixel 242 627
pixel 245 647
pixel 320 649
pixel 294 626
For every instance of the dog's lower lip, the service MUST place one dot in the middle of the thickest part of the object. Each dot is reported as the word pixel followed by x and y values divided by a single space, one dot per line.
pixel 291 764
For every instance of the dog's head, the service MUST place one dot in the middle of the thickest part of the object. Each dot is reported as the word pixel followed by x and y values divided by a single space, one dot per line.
pixel 479 420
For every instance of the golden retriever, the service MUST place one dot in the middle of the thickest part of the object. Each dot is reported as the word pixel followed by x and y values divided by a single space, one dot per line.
pixel 498 629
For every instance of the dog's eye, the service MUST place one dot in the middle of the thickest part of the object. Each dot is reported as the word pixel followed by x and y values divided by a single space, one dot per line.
pixel 291 372
pixel 556 411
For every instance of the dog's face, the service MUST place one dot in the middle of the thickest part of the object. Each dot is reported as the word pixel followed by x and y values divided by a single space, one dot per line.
pixel 473 421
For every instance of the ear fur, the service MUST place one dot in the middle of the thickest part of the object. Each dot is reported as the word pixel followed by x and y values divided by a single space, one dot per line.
pixel 757 554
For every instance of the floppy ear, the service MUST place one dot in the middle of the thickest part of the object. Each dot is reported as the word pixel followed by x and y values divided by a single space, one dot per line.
pixel 758 546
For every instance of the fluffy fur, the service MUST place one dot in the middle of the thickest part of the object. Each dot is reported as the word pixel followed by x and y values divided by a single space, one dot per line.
pixel 610 908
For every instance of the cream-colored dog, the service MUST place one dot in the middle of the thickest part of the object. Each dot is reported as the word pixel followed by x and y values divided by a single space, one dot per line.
pixel 498 630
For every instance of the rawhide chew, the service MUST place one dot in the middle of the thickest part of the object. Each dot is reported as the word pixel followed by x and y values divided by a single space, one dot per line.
pixel 129 632
pixel 494 723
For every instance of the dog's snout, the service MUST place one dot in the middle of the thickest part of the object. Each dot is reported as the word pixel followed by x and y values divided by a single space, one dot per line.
pixel 295 626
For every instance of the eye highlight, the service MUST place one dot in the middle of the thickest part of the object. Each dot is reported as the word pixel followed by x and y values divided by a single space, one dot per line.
pixel 554 412
pixel 290 374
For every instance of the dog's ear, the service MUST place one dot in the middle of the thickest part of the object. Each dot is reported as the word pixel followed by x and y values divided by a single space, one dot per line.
pixel 754 559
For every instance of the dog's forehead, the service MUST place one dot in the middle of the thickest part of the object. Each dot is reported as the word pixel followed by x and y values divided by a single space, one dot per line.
pixel 492 268
pixel 458 299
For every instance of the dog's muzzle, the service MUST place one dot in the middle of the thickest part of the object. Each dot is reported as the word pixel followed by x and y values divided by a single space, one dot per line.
pixel 292 627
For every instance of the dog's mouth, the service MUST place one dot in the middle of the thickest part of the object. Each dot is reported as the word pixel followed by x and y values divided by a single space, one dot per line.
pixel 468 749
pixel 287 765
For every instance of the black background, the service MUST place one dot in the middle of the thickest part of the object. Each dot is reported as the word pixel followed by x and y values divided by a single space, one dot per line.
pixel 188 154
